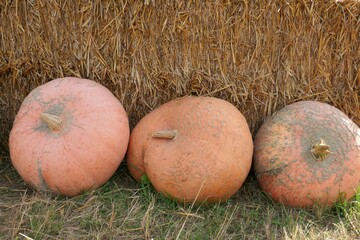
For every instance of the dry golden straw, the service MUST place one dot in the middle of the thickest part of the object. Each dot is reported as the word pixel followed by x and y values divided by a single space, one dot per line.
pixel 258 55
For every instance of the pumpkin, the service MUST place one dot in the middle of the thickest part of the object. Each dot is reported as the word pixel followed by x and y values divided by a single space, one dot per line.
pixel 308 153
pixel 192 149
pixel 69 136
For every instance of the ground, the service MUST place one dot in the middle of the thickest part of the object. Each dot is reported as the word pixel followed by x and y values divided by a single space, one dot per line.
pixel 125 209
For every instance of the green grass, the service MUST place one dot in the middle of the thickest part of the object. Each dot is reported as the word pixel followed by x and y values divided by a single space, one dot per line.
pixel 124 209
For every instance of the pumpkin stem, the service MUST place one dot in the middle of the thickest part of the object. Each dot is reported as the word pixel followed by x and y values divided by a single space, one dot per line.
pixel 320 150
pixel 53 122
pixel 166 134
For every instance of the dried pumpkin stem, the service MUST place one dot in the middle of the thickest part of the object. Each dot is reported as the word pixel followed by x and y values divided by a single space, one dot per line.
pixel 166 134
pixel 320 150
pixel 53 122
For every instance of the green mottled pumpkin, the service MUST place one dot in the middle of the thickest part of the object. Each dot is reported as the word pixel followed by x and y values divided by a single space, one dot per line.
pixel 308 153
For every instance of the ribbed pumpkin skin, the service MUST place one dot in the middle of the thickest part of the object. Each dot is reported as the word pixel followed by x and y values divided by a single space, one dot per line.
pixel 88 148
pixel 208 160
pixel 287 170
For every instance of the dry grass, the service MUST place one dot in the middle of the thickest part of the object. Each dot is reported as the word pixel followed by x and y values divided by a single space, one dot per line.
pixel 258 55
pixel 122 209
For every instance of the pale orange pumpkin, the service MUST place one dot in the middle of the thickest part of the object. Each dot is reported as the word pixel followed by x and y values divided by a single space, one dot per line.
pixel 308 153
pixel 192 149
pixel 69 136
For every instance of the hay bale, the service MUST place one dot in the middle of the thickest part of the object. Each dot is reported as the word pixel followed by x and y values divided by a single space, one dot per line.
pixel 257 55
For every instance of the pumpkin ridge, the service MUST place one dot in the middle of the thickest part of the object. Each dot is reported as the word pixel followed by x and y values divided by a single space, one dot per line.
pixel 42 185
pixel 276 170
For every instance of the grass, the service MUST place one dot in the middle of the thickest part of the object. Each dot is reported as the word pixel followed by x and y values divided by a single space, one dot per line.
pixel 124 209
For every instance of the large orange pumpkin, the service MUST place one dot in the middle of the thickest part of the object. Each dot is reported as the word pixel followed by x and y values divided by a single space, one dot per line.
pixel 69 136
pixel 308 153
pixel 193 149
